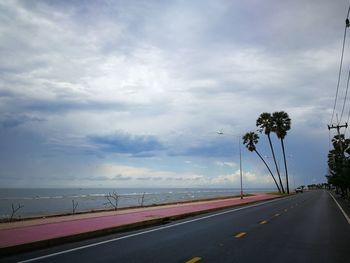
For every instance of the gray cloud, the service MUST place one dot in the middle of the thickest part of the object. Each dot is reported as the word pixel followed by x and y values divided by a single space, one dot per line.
pixel 121 142
pixel 10 121
pixel 149 178
pixel 120 177
pixel 176 70
pixel 70 105
pixel 215 148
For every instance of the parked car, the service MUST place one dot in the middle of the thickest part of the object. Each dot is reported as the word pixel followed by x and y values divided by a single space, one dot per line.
pixel 298 190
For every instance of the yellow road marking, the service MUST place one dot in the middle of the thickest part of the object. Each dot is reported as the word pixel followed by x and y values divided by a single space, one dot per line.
pixel 239 235
pixel 277 214
pixel 194 260
pixel 263 222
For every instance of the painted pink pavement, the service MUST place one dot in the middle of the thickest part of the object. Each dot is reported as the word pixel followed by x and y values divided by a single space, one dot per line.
pixel 36 230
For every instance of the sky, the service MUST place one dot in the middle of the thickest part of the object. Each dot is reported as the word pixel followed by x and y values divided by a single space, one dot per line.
pixel 132 93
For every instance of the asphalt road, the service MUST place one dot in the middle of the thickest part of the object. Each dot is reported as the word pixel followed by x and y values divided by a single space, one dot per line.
pixel 307 227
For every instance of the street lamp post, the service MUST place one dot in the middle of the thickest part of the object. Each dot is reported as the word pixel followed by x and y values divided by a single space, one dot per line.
pixel 240 165
pixel 240 161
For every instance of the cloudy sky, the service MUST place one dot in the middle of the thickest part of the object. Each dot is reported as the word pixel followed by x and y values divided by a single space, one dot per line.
pixel 131 93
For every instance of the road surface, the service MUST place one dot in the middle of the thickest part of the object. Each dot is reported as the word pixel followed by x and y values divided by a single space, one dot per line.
pixel 307 227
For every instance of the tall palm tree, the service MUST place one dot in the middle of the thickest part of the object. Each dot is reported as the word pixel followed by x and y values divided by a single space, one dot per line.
pixel 281 124
pixel 265 123
pixel 250 139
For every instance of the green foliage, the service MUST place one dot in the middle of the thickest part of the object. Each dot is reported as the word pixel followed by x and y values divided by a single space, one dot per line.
pixel 281 123
pixel 264 122
pixel 250 139
pixel 339 163
pixel 278 123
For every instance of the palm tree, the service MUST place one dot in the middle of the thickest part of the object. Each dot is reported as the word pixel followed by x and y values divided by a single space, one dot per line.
pixel 281 124
pixel 250 139
pixel 265 123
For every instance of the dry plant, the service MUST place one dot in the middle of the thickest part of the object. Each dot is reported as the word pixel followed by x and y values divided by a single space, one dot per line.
pixel 14 210
pixel 113 199
pixel 141 199
pixel 74 206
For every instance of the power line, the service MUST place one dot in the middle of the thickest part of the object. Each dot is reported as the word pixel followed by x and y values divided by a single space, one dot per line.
pixel 347 122
pixel 346 95
pixel 347 24
pixel 338 131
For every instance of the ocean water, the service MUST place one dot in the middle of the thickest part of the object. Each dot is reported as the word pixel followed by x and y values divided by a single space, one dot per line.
pixel 44 202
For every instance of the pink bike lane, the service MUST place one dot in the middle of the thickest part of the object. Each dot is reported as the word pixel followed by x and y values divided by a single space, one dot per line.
pixel 24 235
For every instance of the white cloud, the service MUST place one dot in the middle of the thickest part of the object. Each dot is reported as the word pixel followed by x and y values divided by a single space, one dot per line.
pixel 222 164
pixel 249 179
pixel 174 71
pixel 142 176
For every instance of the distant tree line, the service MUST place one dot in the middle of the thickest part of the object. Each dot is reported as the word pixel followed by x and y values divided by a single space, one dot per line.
pixel 277 123
pixel 318 186
pixel 339 165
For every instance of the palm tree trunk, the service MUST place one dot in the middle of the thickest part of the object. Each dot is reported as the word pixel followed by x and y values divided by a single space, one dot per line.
pixel 285 165
pixel 279 190
pixel 274 159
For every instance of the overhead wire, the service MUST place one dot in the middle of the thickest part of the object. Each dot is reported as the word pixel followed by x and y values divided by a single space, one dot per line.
pixel 347 122
pixel 348 118
pixel 341 64
pixel 346 95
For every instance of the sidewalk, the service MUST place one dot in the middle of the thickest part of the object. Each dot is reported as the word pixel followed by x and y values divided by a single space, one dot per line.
pixel 38 233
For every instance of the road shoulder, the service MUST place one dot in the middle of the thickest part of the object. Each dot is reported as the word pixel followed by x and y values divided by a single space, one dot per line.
pixel 343 203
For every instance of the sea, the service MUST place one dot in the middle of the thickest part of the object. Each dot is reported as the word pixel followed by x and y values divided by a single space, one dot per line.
pixel 41 202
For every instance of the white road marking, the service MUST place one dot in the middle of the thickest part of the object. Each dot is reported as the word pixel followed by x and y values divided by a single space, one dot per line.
pixel 145 232
pixel 341 209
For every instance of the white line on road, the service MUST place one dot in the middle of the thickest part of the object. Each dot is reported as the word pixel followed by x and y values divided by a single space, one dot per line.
pixel 145 232
pixel 341 209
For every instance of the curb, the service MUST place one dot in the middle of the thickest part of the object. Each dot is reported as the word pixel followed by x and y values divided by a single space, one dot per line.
pixel 7 251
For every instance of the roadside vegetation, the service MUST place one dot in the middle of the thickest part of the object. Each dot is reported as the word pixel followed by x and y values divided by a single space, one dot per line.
pixel 339 165
pixel 277 123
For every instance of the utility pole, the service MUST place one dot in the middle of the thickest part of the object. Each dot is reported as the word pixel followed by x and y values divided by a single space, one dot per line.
pixel 340 142
pixel 338 130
